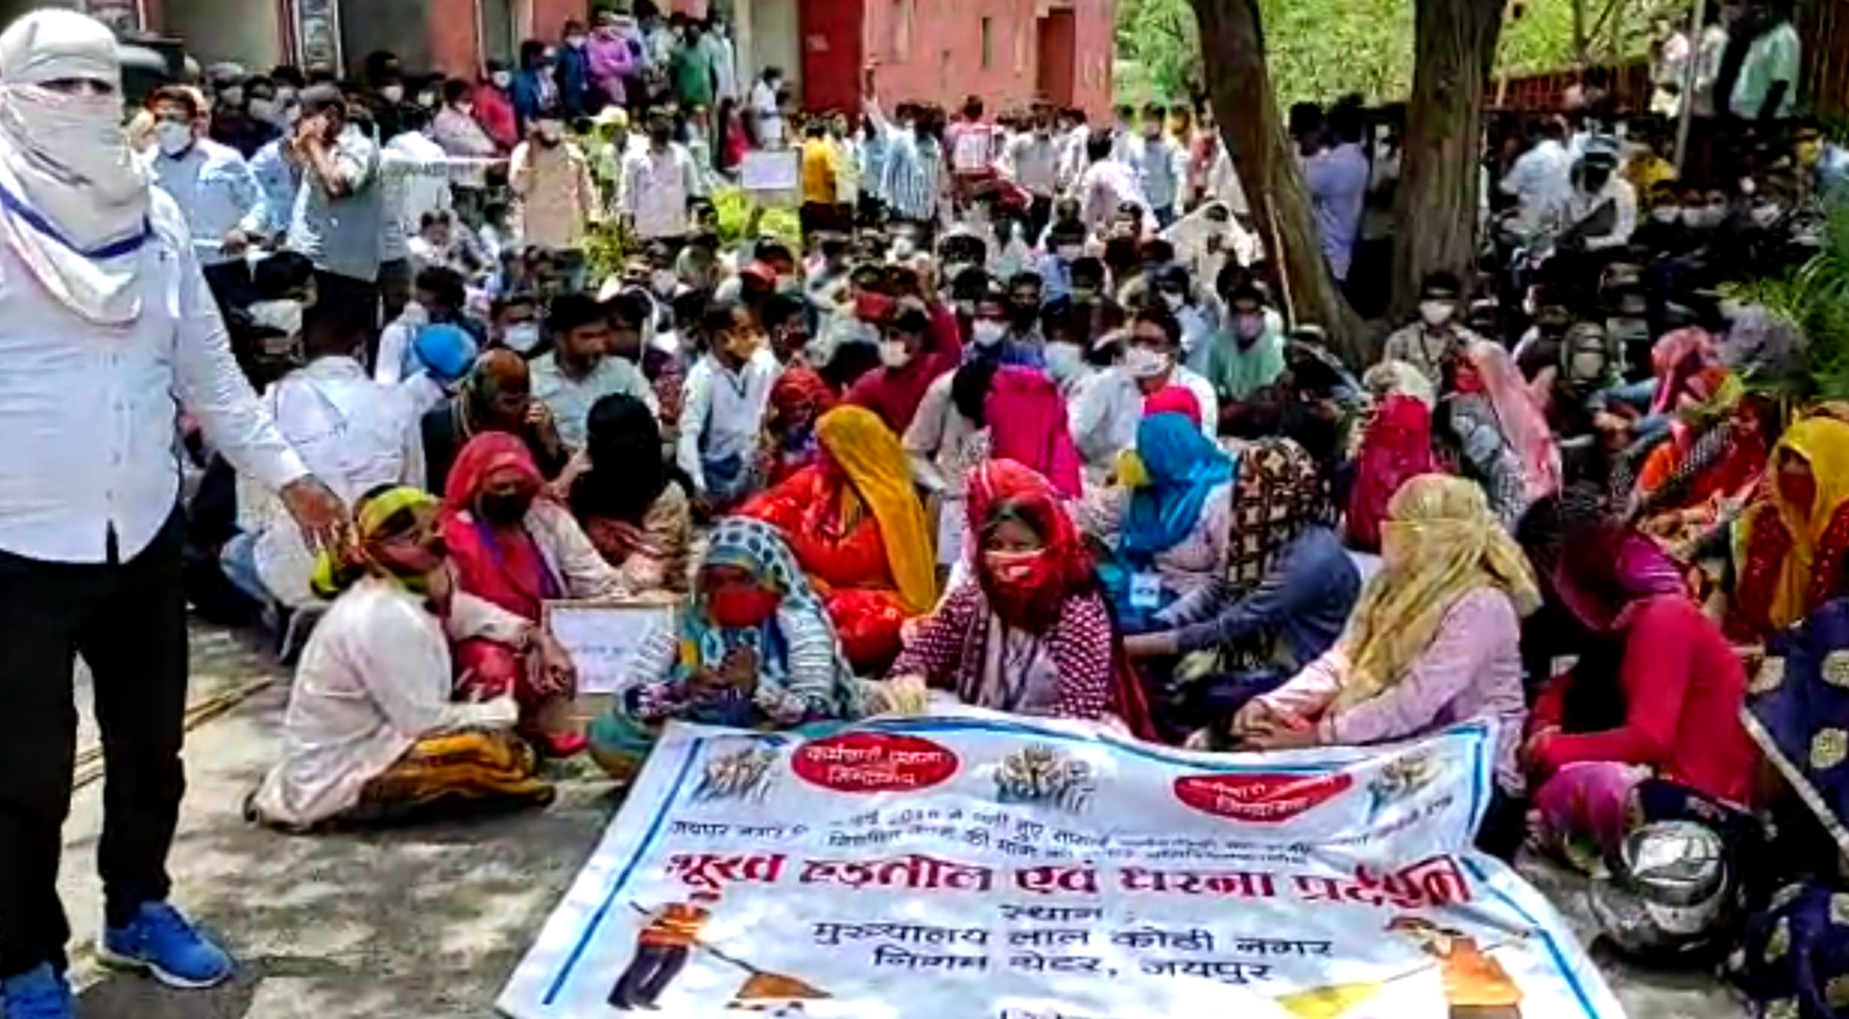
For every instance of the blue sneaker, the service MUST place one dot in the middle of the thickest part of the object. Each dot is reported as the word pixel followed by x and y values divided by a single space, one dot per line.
pixel 41 993
pixel 164 944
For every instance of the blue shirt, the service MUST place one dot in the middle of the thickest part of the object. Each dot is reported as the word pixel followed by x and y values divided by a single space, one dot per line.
pixel 1304 600
pixel 873 164
pixel 277 179
pixel 1338 180
pixel 215 190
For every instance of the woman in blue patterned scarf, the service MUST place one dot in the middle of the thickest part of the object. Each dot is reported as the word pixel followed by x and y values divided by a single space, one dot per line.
pixel 754 650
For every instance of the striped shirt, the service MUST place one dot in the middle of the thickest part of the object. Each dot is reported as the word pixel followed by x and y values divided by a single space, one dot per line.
pixel 914 175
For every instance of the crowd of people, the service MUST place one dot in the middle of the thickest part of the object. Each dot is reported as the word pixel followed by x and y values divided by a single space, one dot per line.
pixel 1023 421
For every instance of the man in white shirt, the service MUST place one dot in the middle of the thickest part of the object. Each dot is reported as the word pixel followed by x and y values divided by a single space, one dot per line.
pixel 1106 186
pixel 1601 212
pixel 1031 159
pixel 1105 418
pixel 722 407
pixel 659 185
pixel 214 189
pixel 107 332
pixel 1160 163
pixel 353 432
pixel 1541 179
pixel 764 102
pixel 582 366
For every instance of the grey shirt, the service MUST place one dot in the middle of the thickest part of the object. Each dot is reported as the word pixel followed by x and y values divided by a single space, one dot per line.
pixel 341 235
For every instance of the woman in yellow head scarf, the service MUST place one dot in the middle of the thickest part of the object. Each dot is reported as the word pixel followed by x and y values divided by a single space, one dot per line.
pixel 859 531
pixel 1434 640
pixel 1791 544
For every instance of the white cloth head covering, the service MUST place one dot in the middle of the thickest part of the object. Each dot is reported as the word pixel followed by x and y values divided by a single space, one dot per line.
pixel 76 201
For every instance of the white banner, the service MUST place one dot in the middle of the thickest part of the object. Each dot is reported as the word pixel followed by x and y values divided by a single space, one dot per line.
pixel 985 867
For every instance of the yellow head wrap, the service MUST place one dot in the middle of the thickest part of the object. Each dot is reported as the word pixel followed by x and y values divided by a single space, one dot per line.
pixel 1439 543
pixel 880 476
pixel 336 570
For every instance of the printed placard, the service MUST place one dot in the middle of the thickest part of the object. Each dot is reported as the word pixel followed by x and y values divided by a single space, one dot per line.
pixel 602 636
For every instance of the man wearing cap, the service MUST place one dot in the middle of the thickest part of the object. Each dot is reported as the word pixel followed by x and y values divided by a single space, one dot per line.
pixel 1601 213
pixel 107 332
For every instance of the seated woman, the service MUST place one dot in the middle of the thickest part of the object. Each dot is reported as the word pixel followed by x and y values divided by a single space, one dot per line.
pixel 498 397
pixel 1286 595
pixel 1028 632
pixel 1396 446
pixel 1717 444
pixel 1501 436
pixel 1434 640
pixel 515 548
pixel 1655 693
pixel 797 399
pixel 755 650
pixel 629 507
pixel 1791 544
pixel 857 529
pixel 371 734
pixel 1167 520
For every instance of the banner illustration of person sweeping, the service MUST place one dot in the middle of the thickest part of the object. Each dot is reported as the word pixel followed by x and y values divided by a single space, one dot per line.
pixel 665 945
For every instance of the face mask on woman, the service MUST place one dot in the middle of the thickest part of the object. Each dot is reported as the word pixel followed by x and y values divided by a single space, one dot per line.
pixel 503 509
pixel 1019 571
pixel 1144 363
pixel 741 608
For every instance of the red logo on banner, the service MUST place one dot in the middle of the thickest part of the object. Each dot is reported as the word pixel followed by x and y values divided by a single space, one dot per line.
pixel 1262 799
pixel 873 762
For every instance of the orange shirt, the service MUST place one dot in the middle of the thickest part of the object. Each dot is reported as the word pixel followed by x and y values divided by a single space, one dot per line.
pixel 1473 978
pixel 676 925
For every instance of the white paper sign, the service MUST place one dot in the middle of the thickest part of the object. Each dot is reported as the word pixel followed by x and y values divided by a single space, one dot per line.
pixel 602 636
pixel 778 170
pixel 986 867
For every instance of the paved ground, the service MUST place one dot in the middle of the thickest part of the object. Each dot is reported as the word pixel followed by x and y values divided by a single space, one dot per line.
pixel 424 924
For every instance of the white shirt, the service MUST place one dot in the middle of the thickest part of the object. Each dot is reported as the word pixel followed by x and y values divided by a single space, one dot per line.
pixel 570 399
pixel 1542 179
pixel 1105 414
pixel 215 189
pixel 355 435
pixel 770 119
pixel 90 412
pixel 422 192
pixel 1106 186
pixel 722 412
pixel 1033 162
pixel 375 678
pixel 656 189
pixel 1161 167
pixel 1623 196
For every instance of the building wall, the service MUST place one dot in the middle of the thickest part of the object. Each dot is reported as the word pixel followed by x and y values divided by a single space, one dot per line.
pixel 934 49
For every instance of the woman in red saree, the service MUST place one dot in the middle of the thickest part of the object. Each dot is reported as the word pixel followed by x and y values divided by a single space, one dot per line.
pixel 798 398
pixel 1028 424
pixel 1396 447
pixel 859 532
pixel 511 546
pixel 1028 632
pixel 1792 544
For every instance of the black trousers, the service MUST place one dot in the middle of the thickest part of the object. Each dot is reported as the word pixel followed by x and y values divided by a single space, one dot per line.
pixel 355 300
pixel 231 285
pixel 128 620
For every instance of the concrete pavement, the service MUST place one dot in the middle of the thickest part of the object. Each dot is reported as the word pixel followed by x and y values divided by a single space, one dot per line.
pixel 417 924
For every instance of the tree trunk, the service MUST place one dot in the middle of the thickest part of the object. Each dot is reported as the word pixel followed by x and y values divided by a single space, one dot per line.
pixel 1435 210
pixel 1239 86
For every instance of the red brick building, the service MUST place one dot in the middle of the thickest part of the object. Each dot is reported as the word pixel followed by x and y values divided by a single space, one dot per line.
pixel 1009 52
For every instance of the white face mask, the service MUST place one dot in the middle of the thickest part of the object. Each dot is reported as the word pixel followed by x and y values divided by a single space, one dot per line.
pixel 1069 252
pixel 1064 361
pixel 1767 214
pixel 285 95
pixel 904 247
pixel 895 354
pixel 1587 365
pixel 263 109
pixel 1436 313
pixel 501 79
pixel 522 337
pixel 1666 214
pixel 173 138
pixel 987 333
pixel 663 282
pixel 1143 363
pixel 392 93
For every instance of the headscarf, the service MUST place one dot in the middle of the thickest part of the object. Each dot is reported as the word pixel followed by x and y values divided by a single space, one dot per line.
pixel 1174 400
pixel 880 476
pixel 1399 378
pixel 335 572
pixel 1396 447
pixel 445 351
pixel 756 548
pixel 1027 423
pixel 1675 359
pixel 509 571
pixel 1597 564
pixel 623 444
pixel 1182 467
pixel 1440 543
pixel 1070 565
pixel 1280 492
pixel 1823 443
pixel 73 200
pixel 1518 417
pixel 798 389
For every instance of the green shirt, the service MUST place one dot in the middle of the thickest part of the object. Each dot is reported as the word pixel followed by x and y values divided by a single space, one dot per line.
pixel 1772 58
pixel 692 74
